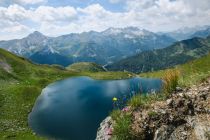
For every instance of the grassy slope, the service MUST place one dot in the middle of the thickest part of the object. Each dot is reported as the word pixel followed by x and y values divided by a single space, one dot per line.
pixel 85 67
pixel 20 88
pixel 191 72
pixel 178 53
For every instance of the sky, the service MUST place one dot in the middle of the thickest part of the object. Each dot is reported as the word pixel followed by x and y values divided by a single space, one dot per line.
pixel 18 18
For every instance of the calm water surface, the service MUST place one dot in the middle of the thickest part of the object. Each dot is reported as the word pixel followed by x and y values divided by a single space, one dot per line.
pixel 72 109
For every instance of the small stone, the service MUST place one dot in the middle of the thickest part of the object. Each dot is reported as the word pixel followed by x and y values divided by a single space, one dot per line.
pixel 184 133
pixel 179 89
pixel 169 102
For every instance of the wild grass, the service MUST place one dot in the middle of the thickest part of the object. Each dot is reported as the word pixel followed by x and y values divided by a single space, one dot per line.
pixel 122 130
pixel 138 101
pixel 115 114
pixel 190 73
pixel 144 101
pixel 170 81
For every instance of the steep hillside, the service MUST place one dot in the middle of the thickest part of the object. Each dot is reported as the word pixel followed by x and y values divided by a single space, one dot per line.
pixel 99 47
pixel 50 58
pixel 21 82
pixel 178 53
pixel 85 67
pixel 20 68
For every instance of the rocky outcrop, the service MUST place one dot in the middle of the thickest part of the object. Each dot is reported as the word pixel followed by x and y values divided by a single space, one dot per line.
pixel 184 116
pixel 105 129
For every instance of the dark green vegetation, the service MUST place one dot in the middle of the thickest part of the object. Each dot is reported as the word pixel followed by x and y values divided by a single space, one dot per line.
pixel 179 53
pixel 50 58
pixel 20 84
pixel 85 67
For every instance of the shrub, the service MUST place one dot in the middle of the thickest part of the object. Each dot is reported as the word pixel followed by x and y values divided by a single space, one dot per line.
pixel 170 80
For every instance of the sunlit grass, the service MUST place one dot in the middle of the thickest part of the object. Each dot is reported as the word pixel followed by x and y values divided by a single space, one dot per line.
pixel 144 101
pixel 190 73
pixel 170 81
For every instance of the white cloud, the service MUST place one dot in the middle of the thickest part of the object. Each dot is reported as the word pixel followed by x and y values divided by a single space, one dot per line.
pixel 51 14
pixel 13 30
pixel 155 15
pixel 13 13
pixel 16 28
pixel 139 4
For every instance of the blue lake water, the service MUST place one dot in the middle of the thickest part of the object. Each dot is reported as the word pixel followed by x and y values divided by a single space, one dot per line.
pixel 72 109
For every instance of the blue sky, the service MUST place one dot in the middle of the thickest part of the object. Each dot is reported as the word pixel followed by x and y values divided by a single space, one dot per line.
pixel 57 17
pixel 114 7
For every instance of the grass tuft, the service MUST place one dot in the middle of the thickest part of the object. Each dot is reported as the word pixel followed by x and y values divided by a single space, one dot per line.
pixel 170 80
pixel 122 125
pixel 143 101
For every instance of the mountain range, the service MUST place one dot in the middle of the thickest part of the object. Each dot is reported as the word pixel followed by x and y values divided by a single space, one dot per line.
pixel 189 32
pixel 100 47
pixel 178 53
pixel 106 47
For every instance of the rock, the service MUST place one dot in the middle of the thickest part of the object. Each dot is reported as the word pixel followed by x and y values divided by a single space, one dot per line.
pixel 161 133
pixel 202 127
pixel 179 89
pixel 169 102
pixel 105 129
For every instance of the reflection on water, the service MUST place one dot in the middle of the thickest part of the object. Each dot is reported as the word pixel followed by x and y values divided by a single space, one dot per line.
pixel 72 109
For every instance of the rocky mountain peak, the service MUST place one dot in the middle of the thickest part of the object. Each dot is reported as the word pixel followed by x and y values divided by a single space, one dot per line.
pixel 36 35
pixel 132 31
